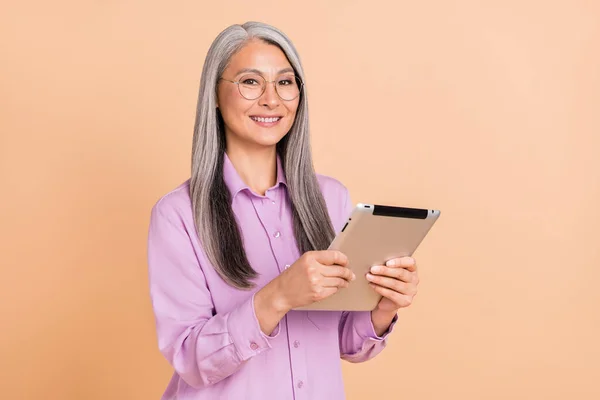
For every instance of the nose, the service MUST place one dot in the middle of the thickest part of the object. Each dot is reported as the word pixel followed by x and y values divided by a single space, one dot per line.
pixel 270 98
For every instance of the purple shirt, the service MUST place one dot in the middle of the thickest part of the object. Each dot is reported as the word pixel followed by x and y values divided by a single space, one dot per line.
pixel 208 330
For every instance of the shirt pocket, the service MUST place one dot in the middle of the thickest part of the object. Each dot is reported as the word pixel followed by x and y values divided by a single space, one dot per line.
pixel 324 320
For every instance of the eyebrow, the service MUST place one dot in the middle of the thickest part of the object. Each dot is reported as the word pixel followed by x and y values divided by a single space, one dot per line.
pixel 256 71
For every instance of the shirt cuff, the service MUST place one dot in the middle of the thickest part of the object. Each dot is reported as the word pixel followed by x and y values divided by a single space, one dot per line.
pixel 365 329
pixel 244 330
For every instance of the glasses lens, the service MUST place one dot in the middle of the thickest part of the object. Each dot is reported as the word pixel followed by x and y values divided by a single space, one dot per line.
pixel 251 86
pixel 288 87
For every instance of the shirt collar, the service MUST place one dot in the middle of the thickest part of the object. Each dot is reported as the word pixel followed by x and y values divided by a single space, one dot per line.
pixel 234 182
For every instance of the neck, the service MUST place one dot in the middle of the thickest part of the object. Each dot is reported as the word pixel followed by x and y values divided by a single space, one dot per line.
pixel 257 167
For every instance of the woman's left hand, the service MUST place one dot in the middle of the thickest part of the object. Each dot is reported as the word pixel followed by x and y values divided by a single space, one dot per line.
pixel 397 282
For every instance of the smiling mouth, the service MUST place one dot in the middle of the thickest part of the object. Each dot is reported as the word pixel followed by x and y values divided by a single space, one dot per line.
pixel 268 120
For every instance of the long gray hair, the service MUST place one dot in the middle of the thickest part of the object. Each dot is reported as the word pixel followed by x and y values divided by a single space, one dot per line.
pixel 211 201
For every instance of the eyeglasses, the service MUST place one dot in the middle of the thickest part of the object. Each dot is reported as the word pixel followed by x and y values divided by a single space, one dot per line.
pixel 252 86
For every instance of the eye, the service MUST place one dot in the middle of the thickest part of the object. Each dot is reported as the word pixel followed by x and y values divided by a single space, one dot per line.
pixel 250 81
pixel 285 81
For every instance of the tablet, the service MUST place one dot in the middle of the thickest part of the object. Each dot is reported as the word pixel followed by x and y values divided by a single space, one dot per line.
pixel 372 235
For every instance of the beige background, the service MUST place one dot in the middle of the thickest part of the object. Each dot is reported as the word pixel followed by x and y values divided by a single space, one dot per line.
pixel 487 110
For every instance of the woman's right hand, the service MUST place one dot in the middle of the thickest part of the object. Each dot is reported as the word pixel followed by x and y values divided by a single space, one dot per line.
pixel 313 277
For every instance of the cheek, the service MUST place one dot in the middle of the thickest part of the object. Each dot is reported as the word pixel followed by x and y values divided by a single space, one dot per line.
pixel 292 108
pixel 293 111
pixel 232 110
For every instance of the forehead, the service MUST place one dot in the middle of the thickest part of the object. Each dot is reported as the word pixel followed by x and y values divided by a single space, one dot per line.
pixel 258 55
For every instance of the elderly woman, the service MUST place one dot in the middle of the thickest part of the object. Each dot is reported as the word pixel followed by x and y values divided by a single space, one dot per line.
pixel 233 250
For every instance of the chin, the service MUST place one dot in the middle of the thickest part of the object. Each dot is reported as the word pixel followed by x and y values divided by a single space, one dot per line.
pixel 267 138
pixel 268 142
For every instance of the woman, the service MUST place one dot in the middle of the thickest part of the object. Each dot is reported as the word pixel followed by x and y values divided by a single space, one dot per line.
pixel 234 249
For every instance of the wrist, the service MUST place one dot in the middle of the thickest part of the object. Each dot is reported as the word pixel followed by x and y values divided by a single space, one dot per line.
pixel 272 296
pixel 382 320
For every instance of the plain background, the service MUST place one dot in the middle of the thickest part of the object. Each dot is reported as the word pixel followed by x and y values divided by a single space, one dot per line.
pixel 487 110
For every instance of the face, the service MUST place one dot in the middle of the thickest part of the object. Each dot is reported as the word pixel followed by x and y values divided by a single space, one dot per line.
pixel 265 120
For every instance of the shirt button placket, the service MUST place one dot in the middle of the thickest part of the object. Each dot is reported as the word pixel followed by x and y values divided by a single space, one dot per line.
pixel 298 355
pixel 272 224
pixel 294 324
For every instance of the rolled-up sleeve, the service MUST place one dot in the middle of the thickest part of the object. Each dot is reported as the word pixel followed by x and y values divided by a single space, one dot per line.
pixel 358 340
pixel 203 347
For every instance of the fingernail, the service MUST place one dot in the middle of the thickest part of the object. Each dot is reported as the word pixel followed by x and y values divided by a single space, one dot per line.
pixel 353 276
pixel 376 268
pixel 391 263
pixel 370 277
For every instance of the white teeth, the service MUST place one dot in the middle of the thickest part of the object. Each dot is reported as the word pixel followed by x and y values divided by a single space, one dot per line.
pixel 261 119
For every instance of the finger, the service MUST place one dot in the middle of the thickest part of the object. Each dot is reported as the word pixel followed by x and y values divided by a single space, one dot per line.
pixel 339 272
pixel 401 300
pixel 393 284
pixel 331 257
pixel 324 292
pixel 328 291
pixel 408 263
pixel 396 273
pixel 334 282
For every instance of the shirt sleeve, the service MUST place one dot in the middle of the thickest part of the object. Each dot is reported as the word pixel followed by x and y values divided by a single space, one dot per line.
pixel 357 337
pixel 358 340
pixel 203 347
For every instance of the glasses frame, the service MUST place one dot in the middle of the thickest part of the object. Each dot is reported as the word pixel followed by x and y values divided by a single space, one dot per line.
pixel 237 83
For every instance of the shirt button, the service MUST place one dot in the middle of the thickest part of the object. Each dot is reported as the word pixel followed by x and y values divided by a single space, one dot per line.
pixel 277 234
pixel 272 201
pixel 253 346
pixel 296 344
pixel 287 266
pixel 300 384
